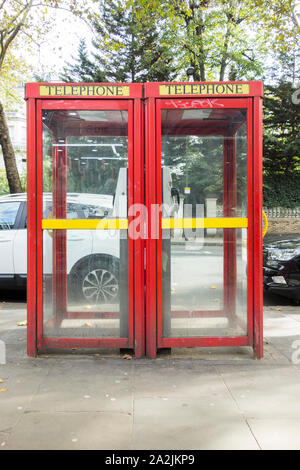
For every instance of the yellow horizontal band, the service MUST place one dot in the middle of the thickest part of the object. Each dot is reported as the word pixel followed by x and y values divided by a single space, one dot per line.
pixel 122 224
pixel 84 224
pixel 222 222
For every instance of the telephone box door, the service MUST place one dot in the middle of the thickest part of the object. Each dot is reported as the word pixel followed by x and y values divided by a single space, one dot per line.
pixel 200 259
pixel 78 225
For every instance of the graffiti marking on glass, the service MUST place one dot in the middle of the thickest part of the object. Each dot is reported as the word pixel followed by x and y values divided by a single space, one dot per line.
pixel 195 103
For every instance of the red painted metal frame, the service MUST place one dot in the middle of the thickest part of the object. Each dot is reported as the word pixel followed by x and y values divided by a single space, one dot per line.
pixel 250 197
pixel 130 186
pixel 152 298
pixel 208 103
pixel 229 235
pixel 39 215
pixel 31 231
pixel 36 341
pixel 159 293
pixel 139 244
pixel 59 197
pixel 153 196
pixel 60 279
pixel 33 91
pixel 229 251
pixel 146 143
pixel 257 229
pixel 87 104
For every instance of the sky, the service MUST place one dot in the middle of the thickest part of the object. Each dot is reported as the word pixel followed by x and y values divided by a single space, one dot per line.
pixel 58 46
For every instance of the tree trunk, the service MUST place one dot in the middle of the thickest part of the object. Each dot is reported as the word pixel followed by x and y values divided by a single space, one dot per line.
pixel 201 56
pixel 225 51
pixel 223 68
pixel 232 77
pixel 12 173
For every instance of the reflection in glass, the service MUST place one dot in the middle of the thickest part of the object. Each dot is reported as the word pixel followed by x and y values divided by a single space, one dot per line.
pixel 8 214
pixel 85 160
pixel 204 278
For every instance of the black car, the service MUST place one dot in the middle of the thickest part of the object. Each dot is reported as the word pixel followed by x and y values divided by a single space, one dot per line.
pixel 281 268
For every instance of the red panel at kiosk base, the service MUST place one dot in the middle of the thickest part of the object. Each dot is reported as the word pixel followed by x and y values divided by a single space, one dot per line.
pixel 143 229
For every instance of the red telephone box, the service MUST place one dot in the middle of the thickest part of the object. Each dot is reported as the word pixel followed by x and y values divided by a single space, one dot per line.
pixel 144 216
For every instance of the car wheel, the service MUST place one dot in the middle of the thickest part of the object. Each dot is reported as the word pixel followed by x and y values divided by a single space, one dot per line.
pixel 97 281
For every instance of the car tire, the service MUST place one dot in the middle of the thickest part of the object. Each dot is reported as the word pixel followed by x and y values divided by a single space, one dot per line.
pixel 96 281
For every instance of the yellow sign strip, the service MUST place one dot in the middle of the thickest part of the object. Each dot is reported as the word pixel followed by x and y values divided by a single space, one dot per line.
pixel 222 222
pixel 84 90
pixel 84 224
pixel 122 224
pixel 204 89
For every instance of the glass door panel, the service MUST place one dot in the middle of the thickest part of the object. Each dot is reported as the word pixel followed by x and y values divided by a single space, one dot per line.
pixel 204 226
pixel 85 205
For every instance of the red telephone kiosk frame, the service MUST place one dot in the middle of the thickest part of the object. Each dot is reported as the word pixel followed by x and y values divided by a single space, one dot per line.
pixel 186 96
pixel 147 107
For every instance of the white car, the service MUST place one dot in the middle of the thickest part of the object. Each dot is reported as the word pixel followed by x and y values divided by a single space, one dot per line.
pixel 93 256
pixel 97 260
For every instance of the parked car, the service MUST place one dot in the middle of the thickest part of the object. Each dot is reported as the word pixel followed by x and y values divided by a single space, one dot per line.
pixel 281 268
pixel 92 256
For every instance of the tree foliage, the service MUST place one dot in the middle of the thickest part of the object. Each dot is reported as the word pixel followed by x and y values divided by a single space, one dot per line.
pixel 22 23
pixel 139 40
pixel 224 39
pixel 282 190
pixel 281 130
pixel 236 40
pixel 142 40
pixel 83 69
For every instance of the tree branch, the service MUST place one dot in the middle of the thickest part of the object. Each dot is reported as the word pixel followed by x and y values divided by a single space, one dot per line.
pixel 63 9
pixel 6 45
pixel 224 53
pixel 2 4
pixel 24 11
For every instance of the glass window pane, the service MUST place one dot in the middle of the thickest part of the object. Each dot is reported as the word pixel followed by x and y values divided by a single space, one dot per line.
pixel 204 176
pixel 85 154
pixel 87 294
pixel 85 161
pixel 8 214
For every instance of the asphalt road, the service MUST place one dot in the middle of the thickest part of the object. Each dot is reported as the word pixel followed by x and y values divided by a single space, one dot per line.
pixel 20 298
pixel 190 262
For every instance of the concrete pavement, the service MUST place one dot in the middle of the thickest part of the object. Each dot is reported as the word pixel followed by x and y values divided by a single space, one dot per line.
pixel 190 399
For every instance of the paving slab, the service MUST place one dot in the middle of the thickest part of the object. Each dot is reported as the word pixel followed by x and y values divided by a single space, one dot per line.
pixel 282 330
pixel 201 398
pixel 265 391
pixel 206 423
pixel 180 380
pixel 73 431
pixel 13 402
pixel 89 385
pixel 276 434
